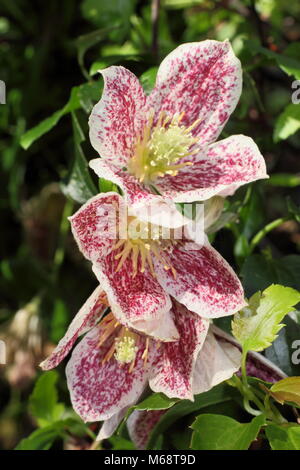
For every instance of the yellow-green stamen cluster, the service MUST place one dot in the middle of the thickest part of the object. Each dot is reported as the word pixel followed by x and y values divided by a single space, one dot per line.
pixel 160 147
pixel 144 242
pixel 125 345
pixel 125 349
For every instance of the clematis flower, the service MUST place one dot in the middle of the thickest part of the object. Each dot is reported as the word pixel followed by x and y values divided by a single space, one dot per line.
pixel 111 366
pixel 142 269
pixel 164 143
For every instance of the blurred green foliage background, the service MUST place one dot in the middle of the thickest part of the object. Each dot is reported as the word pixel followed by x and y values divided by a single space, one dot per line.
pixel 49 56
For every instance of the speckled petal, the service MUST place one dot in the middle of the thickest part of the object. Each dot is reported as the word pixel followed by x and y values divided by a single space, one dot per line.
pixel 118 118
pixel 87 317
pixel 137 302
pixel 110 425
pixel 173 367
pixel 100 390
pixel 140 424
pixel 204 281
pixel 143 204
pixel 218 361
pixel 95 225
pixel 219 170
pixel 257 364
pixel 203 80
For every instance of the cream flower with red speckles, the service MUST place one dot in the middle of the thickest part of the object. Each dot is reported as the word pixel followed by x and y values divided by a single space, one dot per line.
pixel 140 274
pixel 111 366
pixel 164 143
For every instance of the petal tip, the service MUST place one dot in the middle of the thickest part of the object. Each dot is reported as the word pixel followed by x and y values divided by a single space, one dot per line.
pixel 44 365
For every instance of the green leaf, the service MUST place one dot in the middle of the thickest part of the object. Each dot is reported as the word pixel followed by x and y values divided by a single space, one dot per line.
pixel 179 4
pixel 218 394
pixel 156 401
pixel 112 12
pixel 41 439
pixel 86 41
pixel 79 185
pixel 84 96
pixel 241 247
pixel 287 123
pixel 293 209
pixel 217 432
pixel 289 65
pixel 256 326
pixel 287 389
pixel 88 94
pixel 285 437
pixel 59 320
pixel 148 78
pixel 120 443
pixel 47 124
pixel 252 213
pixel 111 60
pixel 293 50
pixel 284 180
pixel 259 271
pixel 105 186
pixel 224 219
pixel 43 400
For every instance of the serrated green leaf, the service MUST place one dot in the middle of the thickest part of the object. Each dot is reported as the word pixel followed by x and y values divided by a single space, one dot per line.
pixel 287 389
pixel 43 400
pixel 287 123
pixel 217 432
pixel 285 437
pixel 256 326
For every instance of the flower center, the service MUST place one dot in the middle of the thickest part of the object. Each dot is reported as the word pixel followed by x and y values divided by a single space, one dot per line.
pixel 161 146
pixel 125 345
pixel 145 241
pixel 126 348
